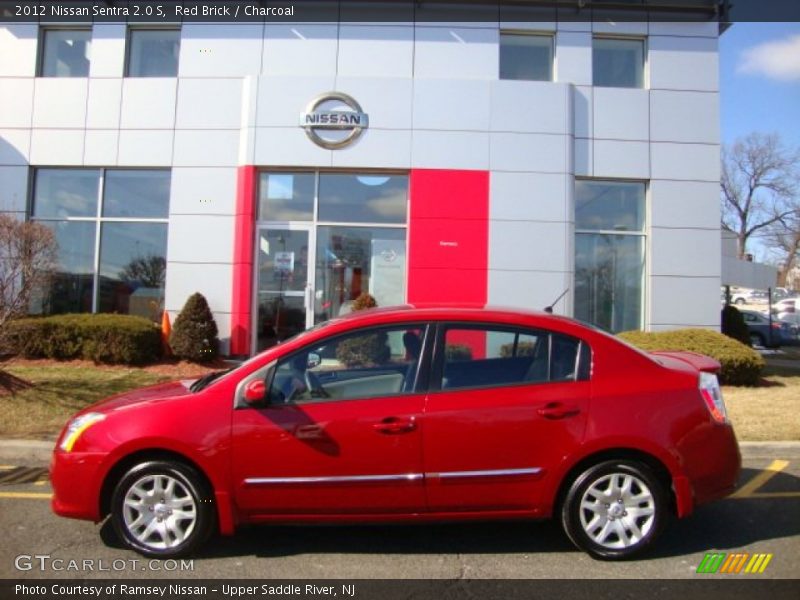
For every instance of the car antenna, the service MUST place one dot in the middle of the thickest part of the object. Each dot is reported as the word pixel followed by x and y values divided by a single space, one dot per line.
pixel 549 309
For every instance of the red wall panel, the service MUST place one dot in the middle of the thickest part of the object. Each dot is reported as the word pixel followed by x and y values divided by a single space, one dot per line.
pixel 241 305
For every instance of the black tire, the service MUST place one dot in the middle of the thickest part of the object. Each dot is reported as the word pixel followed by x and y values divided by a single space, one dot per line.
pixel 621 541
pixel 740 302
pixel 756 339
pixel 178 536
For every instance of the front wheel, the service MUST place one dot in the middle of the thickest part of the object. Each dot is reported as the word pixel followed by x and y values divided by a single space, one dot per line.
pixel 615 509
pixel 162 509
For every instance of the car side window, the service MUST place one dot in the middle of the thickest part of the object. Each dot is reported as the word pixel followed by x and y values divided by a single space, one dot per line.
pixel 477 357
pixel 363 364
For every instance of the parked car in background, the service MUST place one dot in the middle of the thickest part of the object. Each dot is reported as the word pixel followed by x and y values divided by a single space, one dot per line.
pixel 765 333
pixel 787 305
pixel 410 415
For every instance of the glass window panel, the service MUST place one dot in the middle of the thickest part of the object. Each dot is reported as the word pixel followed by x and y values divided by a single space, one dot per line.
pixel 609 205
pixel 364 364
pixel 609 271
pixel 353 260
pixel 62 193
pixel 350 198
pixel 526 57
pixel 73 281
pixel 154 52
pixel 132 269
pixel 618 63
pixel 66 52
pixel 286 197
pixel 136 194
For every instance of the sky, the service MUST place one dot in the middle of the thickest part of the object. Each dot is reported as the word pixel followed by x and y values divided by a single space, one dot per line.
pixel 760 87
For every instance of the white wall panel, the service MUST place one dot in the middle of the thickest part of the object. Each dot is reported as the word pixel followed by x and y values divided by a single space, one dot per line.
pixel 376 51
pixel 685 252
pixel 18 50
pixel 530 106
pixel 683 28
pixel 542 153
pixel 108 50
pixel 206 148
pixel 437 50
pixel 16 102
pixel 148 103
pixel 13 189
pixel 682 63
pixel 527 245
pixel 621 114
pixel 104 103
pixel 378 148
pixel 388 102
pixel 450 150
pixel 583 160
pixel 213 280
pixel 574 57
pixel 684 204
pixel 300 49
pixel 145 148
pixel 684 302
pixel 221 50
pixel 684 117
pixel 696 162
pixel 281 100
pixel 451 104
pixel 209 104
pixel 15 146
pixel 203 191
pixel 289 146
pixel 101 147
pixel 528 196
pixel 532 290
pixel 57 147
pixel 621 159
pixel 201 238
pixel 60 102
pixel 583 109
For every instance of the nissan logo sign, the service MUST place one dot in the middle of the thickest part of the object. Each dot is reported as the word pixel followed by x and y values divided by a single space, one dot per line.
pixel 333 120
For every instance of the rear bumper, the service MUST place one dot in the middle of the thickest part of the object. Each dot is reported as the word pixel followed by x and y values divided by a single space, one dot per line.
pixel 75 477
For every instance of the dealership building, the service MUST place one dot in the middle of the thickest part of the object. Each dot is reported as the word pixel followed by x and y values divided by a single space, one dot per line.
pixel 283 168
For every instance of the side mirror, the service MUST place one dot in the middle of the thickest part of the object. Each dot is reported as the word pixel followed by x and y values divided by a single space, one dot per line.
pixel 255 391
pixel 314 360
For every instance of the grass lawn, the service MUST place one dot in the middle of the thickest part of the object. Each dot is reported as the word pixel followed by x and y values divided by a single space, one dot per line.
pixel 59 392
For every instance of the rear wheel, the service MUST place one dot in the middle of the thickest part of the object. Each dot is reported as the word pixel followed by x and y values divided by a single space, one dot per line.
pixel 615 509
pixel 162 509
pixel 756 339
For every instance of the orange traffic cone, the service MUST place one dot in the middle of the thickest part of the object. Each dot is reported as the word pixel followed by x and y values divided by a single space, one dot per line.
pixel 166 330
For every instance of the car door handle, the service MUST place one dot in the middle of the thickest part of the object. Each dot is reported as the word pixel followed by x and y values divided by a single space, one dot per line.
pixel 392 425
pixel 308 431
pixel 556 410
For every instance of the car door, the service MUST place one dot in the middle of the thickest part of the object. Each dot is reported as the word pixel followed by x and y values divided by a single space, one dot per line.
pixel 340 432
pixel 511 404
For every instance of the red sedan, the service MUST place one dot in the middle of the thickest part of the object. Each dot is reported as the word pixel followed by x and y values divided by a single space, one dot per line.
pixel 410 414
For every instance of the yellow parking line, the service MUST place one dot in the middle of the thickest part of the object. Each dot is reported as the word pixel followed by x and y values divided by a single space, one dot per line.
pixel 775 495
pixel 748 489
pixel 40 481
pixel 26 495
pixel 7 467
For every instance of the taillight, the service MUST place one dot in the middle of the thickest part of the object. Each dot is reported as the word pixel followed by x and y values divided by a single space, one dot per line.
pixel 712 395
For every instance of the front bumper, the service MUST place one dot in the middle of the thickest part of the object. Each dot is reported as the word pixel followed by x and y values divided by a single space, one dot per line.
pixel 76 480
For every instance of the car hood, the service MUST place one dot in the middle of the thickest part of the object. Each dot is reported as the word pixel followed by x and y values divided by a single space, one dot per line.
pixel 146 395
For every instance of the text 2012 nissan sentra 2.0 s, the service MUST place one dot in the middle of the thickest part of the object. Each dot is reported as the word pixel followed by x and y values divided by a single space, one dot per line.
pixel 410 414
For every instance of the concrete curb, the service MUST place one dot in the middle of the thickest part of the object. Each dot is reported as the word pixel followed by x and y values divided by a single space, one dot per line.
pixel 26 452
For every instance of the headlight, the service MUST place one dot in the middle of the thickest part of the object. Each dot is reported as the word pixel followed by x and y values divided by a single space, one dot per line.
pixel 76 427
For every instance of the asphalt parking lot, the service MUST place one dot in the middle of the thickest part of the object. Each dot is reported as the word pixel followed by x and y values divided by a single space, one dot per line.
pixel 763 518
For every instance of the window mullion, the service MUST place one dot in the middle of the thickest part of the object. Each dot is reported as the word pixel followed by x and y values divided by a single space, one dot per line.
pixel 97 234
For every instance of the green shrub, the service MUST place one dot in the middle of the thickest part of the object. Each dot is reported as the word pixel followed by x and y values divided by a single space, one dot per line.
pixel 733 325
pixel 523 349
pixel 453 352
pixel 363 302
pixel 102 338
pixel 741 365
pixel 194 334
pixel 367 350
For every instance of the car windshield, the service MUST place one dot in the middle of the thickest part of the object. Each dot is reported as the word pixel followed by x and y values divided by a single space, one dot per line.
pixel 206 379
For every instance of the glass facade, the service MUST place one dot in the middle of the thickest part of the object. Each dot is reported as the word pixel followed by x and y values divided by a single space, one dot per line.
pixel 111 229
pixel 618 62
pixel 65 52
pixel 153 52
pixel 525 56
pixel 609 254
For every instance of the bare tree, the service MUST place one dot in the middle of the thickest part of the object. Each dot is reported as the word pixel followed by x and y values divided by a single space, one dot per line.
pixel 784 239
pixel 760 180
pixel 27 260
pixel 149 270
